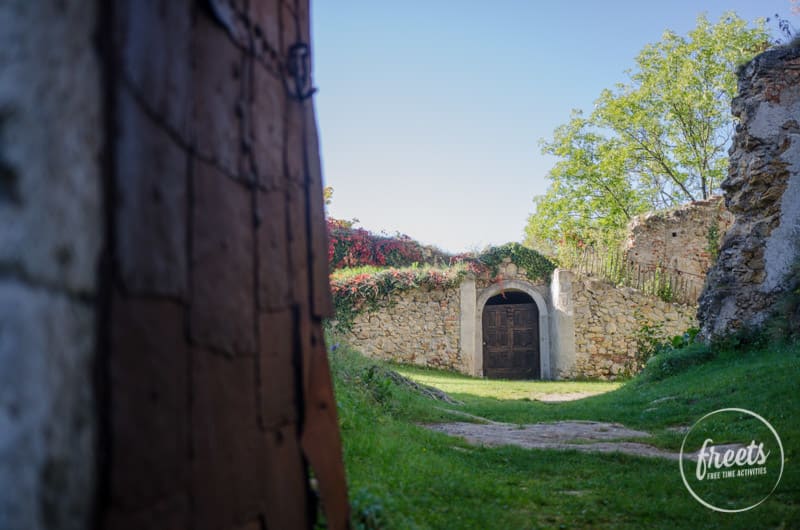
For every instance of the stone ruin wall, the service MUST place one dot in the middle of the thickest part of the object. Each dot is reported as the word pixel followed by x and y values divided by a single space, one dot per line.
pixel 419 327
pixel 760 252
pixel 678 239
pixel 607 319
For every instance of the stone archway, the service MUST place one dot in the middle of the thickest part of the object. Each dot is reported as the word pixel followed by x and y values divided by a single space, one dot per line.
pixel 472 321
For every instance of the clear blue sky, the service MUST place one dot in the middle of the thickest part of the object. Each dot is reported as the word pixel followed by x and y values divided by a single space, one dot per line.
pixel 430 112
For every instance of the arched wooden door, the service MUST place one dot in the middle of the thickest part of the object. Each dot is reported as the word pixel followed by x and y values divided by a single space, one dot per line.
pixel 511 337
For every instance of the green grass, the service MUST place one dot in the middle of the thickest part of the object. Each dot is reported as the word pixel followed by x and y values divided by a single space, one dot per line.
pixel 351 272
pixel 404 476
pixel 453 383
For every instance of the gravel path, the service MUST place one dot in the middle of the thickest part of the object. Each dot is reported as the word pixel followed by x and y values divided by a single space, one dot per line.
pixel 588 436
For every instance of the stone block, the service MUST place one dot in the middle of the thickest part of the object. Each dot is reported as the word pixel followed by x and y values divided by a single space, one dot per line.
pixel 289 27
pixel 223 302
pixel 47 422
pixel 322 302
pixel 273 260
pixel 148 369
pixel 284 472
pixel 218 101
pixel 51 137
pixel 154 38
pixel 295 139
pixel 268 112
pixel 279 392
pixel 151 204
pixel 298 243
pixel 228 449
pixel 169 514
pixel 266 16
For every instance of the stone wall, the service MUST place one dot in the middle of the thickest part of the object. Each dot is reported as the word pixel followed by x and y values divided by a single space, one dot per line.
pixel 431 327
pixel 762 190
pixel 418 327
pixel 587 327
pixel 606 321
pixel 51 233
pixel 678 239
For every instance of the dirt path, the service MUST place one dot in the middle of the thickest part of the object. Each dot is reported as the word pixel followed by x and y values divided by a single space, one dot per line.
pixel 570 396
pixel 588 436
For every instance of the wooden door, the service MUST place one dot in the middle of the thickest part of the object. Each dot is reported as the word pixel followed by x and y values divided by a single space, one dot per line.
pixel 511 341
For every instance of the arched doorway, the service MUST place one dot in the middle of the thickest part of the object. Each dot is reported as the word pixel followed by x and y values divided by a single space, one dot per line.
pixel 510 323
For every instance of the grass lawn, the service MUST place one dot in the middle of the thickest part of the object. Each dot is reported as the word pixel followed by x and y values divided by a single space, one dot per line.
pixel 404 476
pixel 453 383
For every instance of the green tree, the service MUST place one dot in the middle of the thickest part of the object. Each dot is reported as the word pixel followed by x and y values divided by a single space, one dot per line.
pixel 657 141
pixel 589 198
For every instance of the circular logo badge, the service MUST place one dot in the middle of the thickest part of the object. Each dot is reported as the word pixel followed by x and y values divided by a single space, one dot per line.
pixel 731 460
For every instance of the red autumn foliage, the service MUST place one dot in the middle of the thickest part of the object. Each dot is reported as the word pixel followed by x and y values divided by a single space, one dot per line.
pixel 356 247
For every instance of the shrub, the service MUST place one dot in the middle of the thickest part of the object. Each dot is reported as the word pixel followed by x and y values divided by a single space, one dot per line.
pixel 355 247
pixel 651 342
pixel 362 289
pixel 367 510
pixel 672 361
pixel 537 266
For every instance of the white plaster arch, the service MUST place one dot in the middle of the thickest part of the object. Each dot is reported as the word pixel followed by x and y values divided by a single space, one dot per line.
pixel 544 323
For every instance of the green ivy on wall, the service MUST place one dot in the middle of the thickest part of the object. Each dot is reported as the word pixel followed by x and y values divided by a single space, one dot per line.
pixel 537 267
pixel 363 289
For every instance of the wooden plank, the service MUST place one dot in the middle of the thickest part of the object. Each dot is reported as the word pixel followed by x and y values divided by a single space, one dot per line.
pixel 320 440
pixel 322 302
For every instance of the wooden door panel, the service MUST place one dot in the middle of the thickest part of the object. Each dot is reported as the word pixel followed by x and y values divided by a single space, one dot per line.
pixel 522 362
pixel 511 341
pixel 523 317
pixel 500 360
pixel 523 338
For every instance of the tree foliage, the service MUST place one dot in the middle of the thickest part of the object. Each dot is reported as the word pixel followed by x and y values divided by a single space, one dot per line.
pixel 656 141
